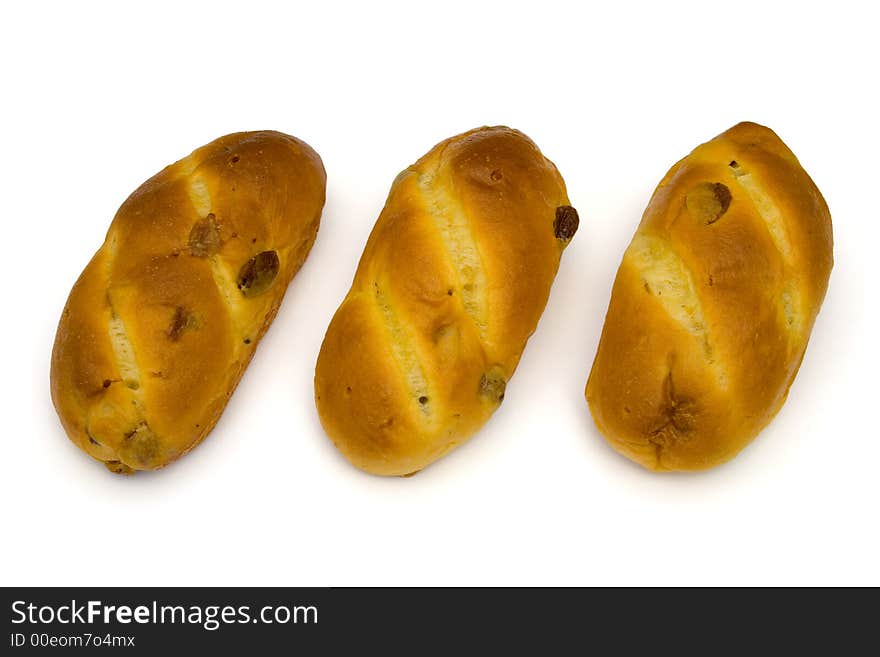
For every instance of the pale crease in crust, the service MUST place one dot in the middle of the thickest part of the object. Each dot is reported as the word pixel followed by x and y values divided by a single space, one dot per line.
pixel 199 195
pixel 766 208
pixel 665 277
pixel 404 354
pixel 791 305
pixel 771 215
pixel 225 283
pixel 460 246
pixel 124 353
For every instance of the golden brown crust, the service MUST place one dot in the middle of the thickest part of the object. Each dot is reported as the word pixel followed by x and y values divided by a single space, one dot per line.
pixel 163 321
pixel 450 286
pixel 713 304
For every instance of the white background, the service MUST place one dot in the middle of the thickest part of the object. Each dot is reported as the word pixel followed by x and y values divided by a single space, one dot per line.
pixel 96 98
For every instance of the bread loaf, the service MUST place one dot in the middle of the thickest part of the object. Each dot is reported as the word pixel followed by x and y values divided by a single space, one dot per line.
pixel 713 304
pixel 163 321
pixel 451 284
